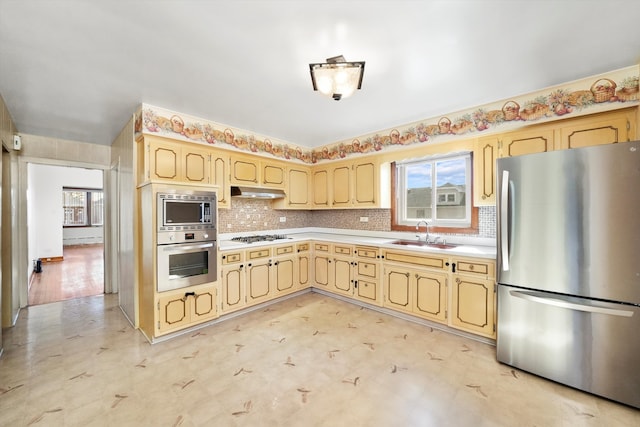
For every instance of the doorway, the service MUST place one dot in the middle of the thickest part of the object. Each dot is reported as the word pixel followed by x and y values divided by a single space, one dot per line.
pixel 65 232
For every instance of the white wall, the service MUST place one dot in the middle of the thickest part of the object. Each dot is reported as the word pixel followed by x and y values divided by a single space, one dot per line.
pixel 44 204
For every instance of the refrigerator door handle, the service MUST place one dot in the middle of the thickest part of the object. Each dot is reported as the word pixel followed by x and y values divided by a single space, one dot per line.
pixel 570 305
pixel 504 220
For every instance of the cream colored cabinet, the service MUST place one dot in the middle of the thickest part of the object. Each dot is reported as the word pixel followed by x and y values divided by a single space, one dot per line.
pixel 166 160
pixel 245 170
pixel 322 266
pixel 179 309
pixel 537 139
pixel 320 181
pixel 420 292
pixel 598 129
pixel 473 296
pixel 303 266
pixel 272 174
pixel 219 176
pixel 342 263
pixel 367 275
pixel 232 280
pixel 283 269
pixel 485 153
pixel 259 282
pixel 417 284
pixel 354 184
pixel 298 189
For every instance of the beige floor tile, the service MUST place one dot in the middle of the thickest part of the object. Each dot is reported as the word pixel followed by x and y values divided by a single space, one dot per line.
pixel 308 361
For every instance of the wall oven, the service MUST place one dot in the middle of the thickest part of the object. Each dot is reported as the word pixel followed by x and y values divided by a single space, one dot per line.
pixel 186 239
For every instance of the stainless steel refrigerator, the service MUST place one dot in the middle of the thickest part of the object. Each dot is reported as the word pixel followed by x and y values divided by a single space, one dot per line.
pixel 569 267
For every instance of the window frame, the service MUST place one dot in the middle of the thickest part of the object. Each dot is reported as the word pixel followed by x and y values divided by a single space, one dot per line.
pixel 472 229
pixel 88 206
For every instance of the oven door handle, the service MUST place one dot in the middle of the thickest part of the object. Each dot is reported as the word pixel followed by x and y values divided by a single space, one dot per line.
pixel 182 247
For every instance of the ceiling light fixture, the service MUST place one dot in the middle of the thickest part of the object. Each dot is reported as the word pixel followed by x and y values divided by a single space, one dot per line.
pixel 337 78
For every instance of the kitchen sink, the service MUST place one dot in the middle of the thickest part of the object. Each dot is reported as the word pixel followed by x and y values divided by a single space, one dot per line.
pixel 423 243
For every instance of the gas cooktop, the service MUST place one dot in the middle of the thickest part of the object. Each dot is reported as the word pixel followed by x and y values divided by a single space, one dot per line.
pixel 258 238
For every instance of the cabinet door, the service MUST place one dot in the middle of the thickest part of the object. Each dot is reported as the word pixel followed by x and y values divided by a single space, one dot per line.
pixel 321 273
pixel 397 288
pixel 258 282
pixel 473 305
pixel 342 281
pixel 367 290
pixel 321 188
pixel 220 177
pixel 164 161
pixel 195 165
pixel 204 305
pixel 299 188
pixel 244 170
pixel 608 128
pixel 341 186
pixel 173 312
pixel 283 275
pixel 365 184
pixel 485 153
pixel 538 140
pixel 272 174
pixel 430 296
pixel 233 288
pixel 302 271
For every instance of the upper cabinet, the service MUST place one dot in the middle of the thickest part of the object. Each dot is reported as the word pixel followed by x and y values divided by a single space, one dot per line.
pixel 219 176
pixel 166 160
pixel 595 129
pixel 297 189
pixel 352 184
pixel 598 129
pixel 256 171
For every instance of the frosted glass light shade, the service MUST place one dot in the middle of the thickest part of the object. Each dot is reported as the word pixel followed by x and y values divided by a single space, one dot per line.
pixel 337 78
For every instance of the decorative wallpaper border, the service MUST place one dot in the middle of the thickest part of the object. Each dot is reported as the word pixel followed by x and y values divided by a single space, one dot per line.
pixel 599 93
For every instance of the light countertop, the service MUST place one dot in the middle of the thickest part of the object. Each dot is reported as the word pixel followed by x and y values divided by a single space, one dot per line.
pixel 465 246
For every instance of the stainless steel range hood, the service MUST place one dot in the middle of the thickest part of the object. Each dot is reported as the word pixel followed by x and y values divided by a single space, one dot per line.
pixel 256 193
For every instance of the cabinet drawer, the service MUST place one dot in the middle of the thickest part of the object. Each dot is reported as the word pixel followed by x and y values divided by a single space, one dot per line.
pixel 259 253
pixel 479 268
pixel 367 290
pixel 343 250
pixel 321 247
pixel 303 247
pixel 230 258
pixel 366 252
pixel 367 269
pixel 283 250
pixel 414 259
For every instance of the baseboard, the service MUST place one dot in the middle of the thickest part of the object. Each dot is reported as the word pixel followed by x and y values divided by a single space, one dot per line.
pixel 52 259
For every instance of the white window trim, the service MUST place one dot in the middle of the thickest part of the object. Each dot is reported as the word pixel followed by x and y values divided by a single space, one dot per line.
pixel 401 193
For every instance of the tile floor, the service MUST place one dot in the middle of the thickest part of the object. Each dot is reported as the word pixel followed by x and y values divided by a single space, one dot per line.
pixel 308 361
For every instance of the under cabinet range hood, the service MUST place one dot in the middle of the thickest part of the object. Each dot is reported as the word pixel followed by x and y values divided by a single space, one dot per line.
pixel 256 193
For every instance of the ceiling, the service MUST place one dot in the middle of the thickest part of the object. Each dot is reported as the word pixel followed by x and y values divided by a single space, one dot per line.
pixel 78 69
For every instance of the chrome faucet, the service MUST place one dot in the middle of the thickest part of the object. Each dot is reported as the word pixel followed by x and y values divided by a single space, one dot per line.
pixel 426 224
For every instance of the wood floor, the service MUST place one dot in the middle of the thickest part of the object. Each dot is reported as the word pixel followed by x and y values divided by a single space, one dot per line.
pixel 80 274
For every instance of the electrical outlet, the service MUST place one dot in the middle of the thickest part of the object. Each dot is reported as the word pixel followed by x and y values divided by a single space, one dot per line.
pixel 364 219
pixel 283 219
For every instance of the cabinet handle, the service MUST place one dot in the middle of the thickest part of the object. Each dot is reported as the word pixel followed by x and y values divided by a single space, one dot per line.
pixel 447 264
pixel 224 257
pixel 407 274
pixel 189 294
pixel 249 265
pixel 453 267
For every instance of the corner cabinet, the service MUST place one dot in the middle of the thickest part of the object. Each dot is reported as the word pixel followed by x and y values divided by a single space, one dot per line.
pixel 297 189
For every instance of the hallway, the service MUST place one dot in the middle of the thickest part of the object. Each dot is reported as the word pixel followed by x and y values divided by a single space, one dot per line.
pixel 80 274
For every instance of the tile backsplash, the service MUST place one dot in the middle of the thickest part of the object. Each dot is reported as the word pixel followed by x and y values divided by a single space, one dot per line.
pixel 256 215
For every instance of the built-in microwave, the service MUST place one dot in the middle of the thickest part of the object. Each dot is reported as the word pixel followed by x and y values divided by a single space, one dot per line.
pixel 186 216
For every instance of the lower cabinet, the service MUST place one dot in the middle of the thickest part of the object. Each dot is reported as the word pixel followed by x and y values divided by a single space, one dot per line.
pixel 232 281
pixel 419 292
pixel 303 266
pixel 473 307
pixel 179 309
pixel 259 284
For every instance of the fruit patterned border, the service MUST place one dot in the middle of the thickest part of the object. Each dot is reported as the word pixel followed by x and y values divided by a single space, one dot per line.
pixel 604 92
